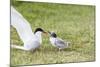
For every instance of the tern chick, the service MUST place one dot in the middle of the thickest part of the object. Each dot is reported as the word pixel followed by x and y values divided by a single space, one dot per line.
pixel 57 42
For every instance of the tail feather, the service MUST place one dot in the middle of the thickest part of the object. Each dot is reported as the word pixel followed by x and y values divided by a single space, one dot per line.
pixel 68 43
pixel 18 47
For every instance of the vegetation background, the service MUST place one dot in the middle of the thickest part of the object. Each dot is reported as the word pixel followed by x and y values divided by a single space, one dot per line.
pixel 74 23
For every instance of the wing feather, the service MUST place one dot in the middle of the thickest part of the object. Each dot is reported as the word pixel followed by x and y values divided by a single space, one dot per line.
pixel 60 43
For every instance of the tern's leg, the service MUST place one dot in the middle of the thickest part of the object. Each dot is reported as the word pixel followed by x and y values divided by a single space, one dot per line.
pixel 33 50
pixel 59 49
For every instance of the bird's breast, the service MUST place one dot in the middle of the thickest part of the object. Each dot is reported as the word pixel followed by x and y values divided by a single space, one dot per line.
pixel 52 40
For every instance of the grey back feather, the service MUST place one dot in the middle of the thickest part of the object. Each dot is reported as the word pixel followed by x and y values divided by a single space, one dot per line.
pixel 60 43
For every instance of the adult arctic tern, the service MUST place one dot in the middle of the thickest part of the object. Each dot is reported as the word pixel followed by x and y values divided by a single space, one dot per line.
pixel 31 40
pixel 33 43
pixel 57 42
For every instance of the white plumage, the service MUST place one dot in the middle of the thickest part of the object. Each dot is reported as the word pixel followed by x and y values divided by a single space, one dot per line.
pixel 31 40
pixel 33 43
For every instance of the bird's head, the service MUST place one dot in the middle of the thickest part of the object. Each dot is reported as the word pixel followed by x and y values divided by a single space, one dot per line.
pixel 52 34
pixel 39 30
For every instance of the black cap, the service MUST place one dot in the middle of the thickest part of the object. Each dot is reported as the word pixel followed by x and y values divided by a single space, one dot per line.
pixel 39 29
pixel 53 34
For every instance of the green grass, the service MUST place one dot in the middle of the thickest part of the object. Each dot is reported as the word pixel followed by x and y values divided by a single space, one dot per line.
pixel 75 23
